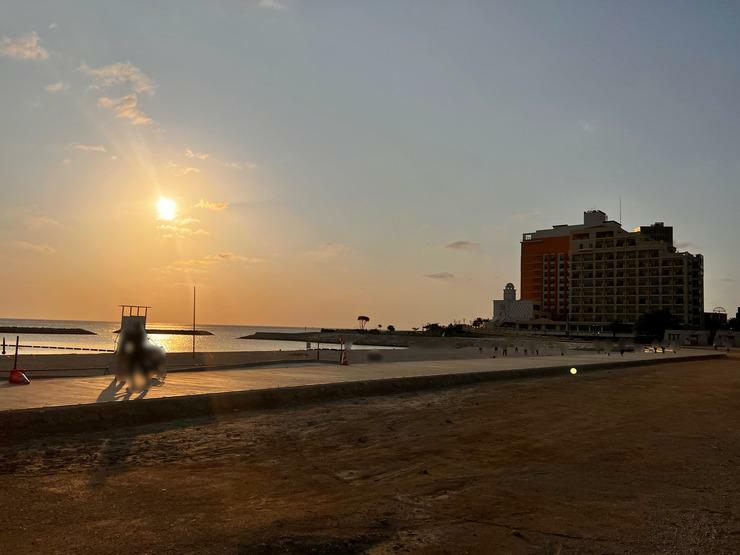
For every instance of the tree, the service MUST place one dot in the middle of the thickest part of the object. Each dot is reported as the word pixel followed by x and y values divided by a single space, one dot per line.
pixel 391 328
pixel 432 328
pixel 363 320
pixel 655 323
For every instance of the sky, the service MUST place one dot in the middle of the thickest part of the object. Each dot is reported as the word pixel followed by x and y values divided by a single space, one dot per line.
pixel 335 158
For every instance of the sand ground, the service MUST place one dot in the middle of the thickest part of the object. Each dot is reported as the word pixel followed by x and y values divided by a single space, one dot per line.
pixel 624 461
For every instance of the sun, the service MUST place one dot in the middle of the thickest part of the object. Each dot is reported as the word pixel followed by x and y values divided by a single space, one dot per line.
pixel 166 209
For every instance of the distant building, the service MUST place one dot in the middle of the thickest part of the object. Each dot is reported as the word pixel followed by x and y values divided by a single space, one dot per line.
pixel 720 339
pixel 597 273
pixel 509 309
pixel 714 320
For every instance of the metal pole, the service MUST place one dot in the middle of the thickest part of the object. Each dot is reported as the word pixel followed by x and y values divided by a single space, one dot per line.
pixel 193 322
pixel 15 360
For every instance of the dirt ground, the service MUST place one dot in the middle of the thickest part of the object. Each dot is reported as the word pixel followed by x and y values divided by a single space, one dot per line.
pixel 625 461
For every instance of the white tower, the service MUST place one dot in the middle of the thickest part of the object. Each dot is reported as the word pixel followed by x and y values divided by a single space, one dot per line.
pixel 509 292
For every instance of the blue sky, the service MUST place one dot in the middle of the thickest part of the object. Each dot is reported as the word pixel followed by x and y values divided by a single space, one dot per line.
pixel 348 145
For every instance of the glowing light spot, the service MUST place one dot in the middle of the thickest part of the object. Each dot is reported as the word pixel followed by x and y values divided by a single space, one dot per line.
pixel 166 209
pixel 573 371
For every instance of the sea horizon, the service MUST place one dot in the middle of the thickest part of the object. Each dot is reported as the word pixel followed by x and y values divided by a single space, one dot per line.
pixel 154 322
pixel 225 337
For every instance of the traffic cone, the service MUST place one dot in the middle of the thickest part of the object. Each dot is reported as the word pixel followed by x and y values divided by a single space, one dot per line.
pixel 17 377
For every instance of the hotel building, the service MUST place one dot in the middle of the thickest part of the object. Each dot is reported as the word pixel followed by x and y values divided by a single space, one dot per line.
pixel 597 273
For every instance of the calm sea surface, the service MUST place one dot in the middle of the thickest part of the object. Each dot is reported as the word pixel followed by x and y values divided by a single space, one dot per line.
pixel 224 338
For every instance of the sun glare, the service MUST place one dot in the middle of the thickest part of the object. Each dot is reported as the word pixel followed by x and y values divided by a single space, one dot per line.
pixel 166 209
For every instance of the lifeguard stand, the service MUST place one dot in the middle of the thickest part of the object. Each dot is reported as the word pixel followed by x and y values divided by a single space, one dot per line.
pixel 133 317
pixel 134 351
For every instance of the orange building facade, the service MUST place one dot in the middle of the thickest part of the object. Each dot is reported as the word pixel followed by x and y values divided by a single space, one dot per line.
pixel 544 274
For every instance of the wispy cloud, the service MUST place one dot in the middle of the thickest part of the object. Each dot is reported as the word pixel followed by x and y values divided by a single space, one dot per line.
pixel 59 86
pixel 463 246
pixel 39 221
pixel 272 5
pixel 727 280
pixel 53 26
pixel 203 264
pixel 240 167
pixel 87 148
pixel 327 251
pixel 208 205
pixel 179 170
pixel 231 257
pixel 199 155
pixel 25 47
pixel 36 248
pixel 125 107
pixel 181 229
pixel 440 275
pixel 121 73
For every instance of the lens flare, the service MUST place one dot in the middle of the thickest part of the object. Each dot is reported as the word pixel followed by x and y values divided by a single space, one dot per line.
pixel 573 371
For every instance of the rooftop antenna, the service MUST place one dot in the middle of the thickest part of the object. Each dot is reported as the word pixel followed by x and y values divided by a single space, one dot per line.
pixel 620 210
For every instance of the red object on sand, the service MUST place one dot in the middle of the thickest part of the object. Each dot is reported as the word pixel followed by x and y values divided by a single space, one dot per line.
pixel 16 376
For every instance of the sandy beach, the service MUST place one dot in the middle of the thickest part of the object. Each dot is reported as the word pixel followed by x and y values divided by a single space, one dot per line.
pixel 91 364
pixel 639 460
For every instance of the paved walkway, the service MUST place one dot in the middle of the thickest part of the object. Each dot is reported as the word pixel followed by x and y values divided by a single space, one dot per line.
pixel 76 391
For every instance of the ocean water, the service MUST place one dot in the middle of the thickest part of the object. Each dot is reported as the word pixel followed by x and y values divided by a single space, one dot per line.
pixel 224 338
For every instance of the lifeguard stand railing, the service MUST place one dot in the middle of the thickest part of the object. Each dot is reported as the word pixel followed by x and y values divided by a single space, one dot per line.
pixel 133 317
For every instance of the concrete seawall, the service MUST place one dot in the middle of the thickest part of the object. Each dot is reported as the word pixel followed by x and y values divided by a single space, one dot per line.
pixel 26 423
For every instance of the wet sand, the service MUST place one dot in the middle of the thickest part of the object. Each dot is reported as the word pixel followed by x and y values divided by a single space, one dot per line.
pixel 638 460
